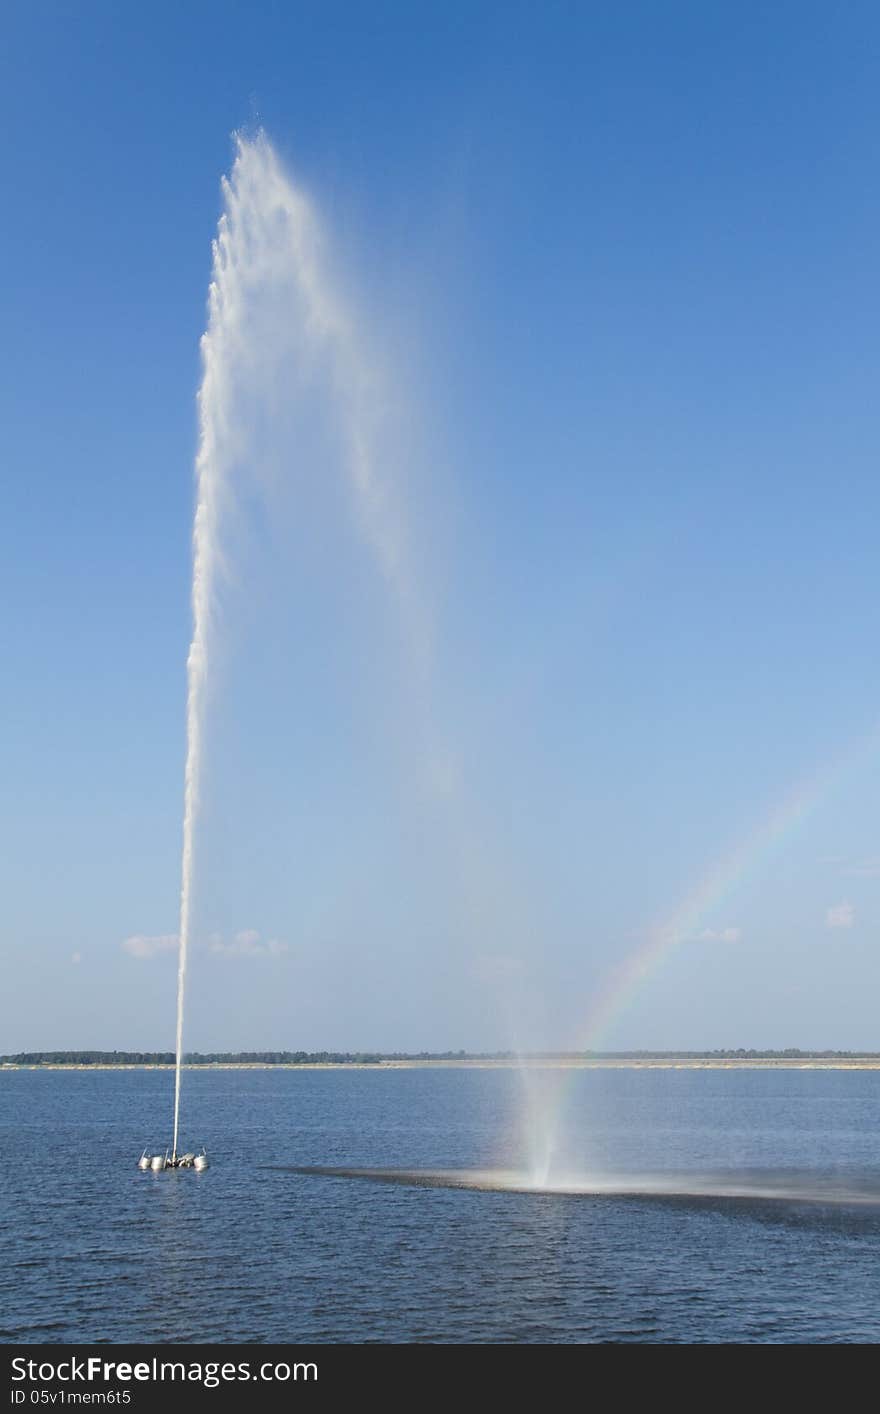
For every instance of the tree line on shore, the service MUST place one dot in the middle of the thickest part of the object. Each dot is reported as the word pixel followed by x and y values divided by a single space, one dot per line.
pixel 104 1058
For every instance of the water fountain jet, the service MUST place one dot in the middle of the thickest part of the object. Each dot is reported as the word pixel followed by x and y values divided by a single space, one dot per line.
pixel 275 316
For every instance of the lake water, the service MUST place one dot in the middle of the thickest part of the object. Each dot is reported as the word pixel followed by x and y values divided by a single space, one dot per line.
pixel 740 1206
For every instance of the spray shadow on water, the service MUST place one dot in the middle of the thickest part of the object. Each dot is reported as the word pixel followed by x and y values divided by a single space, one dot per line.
pixel 753 1186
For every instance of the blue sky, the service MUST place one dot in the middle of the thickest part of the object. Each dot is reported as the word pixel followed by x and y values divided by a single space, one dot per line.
pixel 620 268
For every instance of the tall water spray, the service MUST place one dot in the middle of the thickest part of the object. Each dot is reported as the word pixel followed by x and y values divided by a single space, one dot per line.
pixel 288 373
pixel 278 327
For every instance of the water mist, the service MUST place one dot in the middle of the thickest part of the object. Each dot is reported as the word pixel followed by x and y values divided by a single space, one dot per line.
pixel 276 323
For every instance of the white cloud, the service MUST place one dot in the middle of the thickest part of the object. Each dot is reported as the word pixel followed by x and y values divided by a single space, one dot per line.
pixel 142 947
pixel 76 957
pixel 864 869
pixel 497 967
pixel 442 775
pixel 718 935
pixel 247 943
pixel 842 915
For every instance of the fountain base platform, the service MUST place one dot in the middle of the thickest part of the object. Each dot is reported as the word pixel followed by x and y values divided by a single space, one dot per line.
pixel 157 1163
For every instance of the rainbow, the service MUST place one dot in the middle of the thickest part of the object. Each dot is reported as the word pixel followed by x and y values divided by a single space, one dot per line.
pixel 543 1102
pixel 726 875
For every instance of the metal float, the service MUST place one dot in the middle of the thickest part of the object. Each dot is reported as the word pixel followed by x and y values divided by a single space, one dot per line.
pixel 159 1162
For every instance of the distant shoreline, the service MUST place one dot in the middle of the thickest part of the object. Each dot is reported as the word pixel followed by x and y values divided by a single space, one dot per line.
pixel 526 1062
